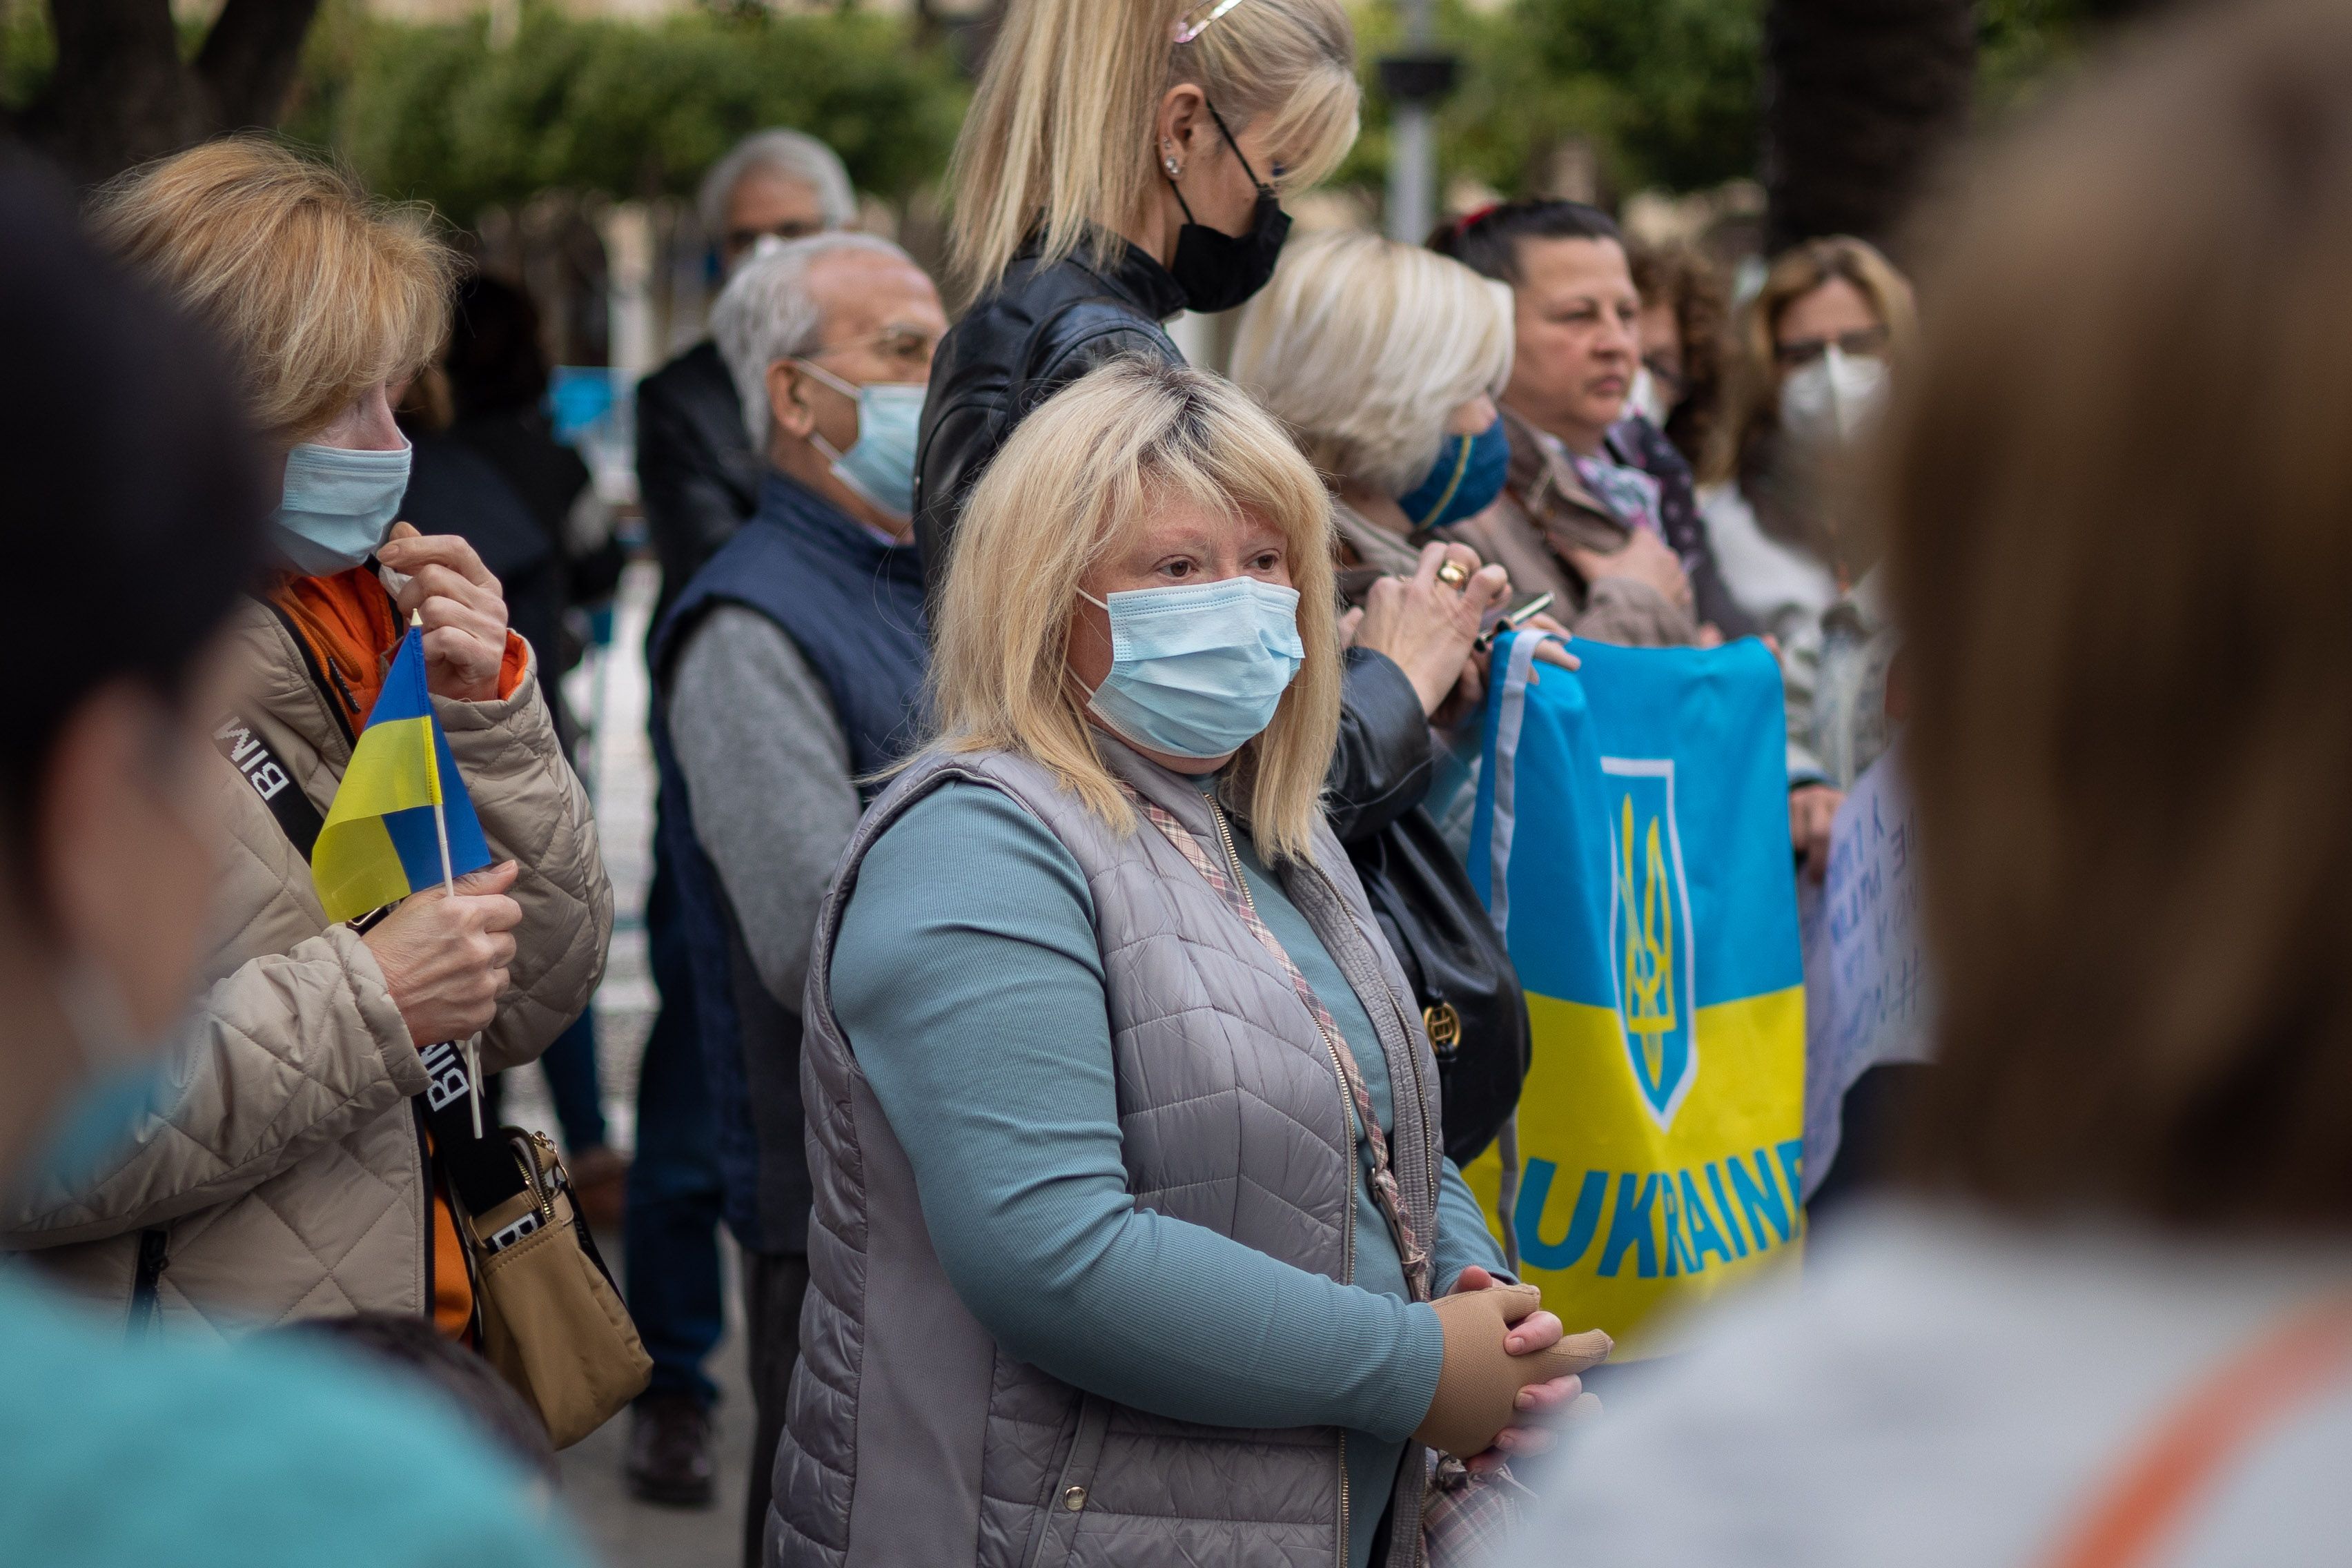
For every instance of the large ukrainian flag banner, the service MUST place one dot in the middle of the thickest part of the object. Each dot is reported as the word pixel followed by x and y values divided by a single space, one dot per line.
pixel 1631 841
pixel 381 842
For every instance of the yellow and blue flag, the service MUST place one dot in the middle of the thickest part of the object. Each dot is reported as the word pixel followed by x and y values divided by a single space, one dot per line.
pixel 1632 842
pixel 381 841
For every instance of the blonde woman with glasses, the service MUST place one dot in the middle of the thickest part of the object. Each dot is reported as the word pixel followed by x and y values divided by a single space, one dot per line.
pixel 1131 1211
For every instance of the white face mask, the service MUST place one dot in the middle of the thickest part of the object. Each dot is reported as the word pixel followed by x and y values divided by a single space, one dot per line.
pixel 1832 400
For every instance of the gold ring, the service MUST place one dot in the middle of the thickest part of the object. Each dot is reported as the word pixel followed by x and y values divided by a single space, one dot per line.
pixel 1454 574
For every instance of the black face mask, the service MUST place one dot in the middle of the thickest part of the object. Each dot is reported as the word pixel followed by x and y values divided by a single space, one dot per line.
pixel 1218 270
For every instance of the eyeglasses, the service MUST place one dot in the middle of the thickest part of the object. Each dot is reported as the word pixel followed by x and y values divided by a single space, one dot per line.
pixel 908 346
pixel 1865 342
pixel 1186 29
pixel 745 238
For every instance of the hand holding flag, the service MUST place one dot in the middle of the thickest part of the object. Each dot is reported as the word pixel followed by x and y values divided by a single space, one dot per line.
pixel 402 821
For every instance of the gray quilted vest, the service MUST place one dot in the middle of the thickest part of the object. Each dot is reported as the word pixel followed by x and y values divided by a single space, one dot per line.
pixel 910 1439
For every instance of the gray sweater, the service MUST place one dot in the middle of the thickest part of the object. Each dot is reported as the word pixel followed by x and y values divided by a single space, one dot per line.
pixel 768 779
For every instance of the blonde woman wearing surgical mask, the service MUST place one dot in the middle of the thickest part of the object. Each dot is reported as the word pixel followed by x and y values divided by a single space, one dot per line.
pixel 1133 1241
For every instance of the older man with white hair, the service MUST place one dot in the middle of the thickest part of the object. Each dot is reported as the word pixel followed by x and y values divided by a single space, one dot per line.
pixel 789 670
pixel 699 476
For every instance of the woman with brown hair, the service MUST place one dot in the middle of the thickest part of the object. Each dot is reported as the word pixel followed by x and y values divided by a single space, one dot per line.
pixel 2110 1322
pixel 1812 360
pixel 288 1175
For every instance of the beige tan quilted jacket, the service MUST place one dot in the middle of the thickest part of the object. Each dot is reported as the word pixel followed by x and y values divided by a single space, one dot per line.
pixel 288 1178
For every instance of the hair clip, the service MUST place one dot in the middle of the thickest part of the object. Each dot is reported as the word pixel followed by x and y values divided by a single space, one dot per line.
pixel 1185 32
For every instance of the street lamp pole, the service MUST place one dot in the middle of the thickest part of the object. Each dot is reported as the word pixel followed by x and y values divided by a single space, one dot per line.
pixel 1415 81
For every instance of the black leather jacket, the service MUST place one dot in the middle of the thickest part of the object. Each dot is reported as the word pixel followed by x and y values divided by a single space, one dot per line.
pixel 1042 327
pixel 697 473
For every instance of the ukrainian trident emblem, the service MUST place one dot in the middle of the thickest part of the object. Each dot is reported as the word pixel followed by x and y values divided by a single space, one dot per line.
pixel 1650 927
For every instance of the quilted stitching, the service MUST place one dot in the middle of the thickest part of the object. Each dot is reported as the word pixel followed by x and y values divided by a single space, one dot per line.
pixel 289 1174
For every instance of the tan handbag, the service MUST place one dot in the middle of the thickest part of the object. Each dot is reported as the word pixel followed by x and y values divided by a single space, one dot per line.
pixel 551 1321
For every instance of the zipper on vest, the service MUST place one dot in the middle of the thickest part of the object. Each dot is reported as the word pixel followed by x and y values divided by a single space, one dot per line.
pixel 1355 1160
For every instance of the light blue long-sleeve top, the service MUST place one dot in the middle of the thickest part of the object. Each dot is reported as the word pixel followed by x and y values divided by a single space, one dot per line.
pixel 122 1455
pixel 968 979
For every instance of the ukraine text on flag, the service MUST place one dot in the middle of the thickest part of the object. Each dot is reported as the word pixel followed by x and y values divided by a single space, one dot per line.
pixel 1631 841
pixel 381 841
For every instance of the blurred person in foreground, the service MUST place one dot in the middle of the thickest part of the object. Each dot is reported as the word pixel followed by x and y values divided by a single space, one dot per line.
pixel 1121 164
pixel 1384 361
pixel 1813 357
pixel 2111 1322
pixel 286 1171
pixel 1580 518
pixel 788 674
pixel 1123 1126
pixel 135 499
pixel 701 476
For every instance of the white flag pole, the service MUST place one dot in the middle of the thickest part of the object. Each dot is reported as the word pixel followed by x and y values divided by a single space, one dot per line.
pixel 473 1047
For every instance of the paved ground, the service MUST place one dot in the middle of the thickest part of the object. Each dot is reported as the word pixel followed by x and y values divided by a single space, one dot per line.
pixel 609 693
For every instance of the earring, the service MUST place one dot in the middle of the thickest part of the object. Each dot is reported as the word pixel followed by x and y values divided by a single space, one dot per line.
pixel 1174 168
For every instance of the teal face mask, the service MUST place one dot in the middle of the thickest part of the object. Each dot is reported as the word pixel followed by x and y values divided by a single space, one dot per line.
pixel 880 464
pixel 1197 672
pixel 337 507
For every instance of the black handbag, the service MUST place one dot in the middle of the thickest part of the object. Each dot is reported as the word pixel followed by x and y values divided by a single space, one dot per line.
pixel 1458 966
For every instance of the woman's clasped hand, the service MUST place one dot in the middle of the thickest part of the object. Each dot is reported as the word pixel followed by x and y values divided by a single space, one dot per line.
pixel 1511 1372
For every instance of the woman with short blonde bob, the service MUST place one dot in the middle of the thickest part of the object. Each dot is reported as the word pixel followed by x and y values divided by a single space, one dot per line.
pixel 1114 1265
pixel 286 1174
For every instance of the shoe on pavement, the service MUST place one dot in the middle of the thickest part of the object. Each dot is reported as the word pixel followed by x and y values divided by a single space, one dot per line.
pixel 669 1452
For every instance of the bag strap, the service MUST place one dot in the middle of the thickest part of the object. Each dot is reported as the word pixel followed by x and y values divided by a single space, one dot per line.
pixel 482 1170
pixel 241 741
pixel 1235 892
pixel 2145 1505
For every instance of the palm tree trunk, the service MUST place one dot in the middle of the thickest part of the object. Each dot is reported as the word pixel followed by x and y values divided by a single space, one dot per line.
pixel 1862 99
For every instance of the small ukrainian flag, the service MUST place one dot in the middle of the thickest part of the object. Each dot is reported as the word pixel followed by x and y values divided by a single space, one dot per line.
pixel 401 820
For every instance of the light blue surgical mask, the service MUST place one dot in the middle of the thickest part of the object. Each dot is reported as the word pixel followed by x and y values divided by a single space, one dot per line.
pixel 1198 669
pixel 126 1080
pixel 337 506
pixel 880 464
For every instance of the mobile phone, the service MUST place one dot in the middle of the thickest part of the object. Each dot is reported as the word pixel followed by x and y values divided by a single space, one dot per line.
pixel 1512 620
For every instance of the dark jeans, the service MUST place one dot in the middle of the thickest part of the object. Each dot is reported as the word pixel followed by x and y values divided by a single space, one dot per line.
pixel 571 1067
pixel 673 1191
pixel 773 1286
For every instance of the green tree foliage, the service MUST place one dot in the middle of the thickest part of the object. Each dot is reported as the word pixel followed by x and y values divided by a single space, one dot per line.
pixel 1666 91
pixel 629 110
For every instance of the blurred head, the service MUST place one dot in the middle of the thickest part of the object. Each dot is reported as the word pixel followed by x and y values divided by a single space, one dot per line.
pixel 1373 353
pixel 1082 106
pixel 1578 318
pixel 327 301
pixel 136 503
pixel 1683 309
pixel 1138 477
pixel 2120 498
pixel 1812 352
pixel 786 183
pixel 495 362
pixel 413 1353
pixel 829 340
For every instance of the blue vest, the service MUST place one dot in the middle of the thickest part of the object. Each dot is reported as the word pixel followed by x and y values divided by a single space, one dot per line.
pixel 853 608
